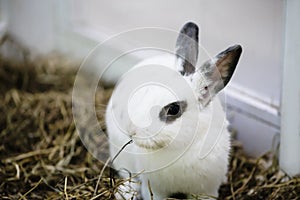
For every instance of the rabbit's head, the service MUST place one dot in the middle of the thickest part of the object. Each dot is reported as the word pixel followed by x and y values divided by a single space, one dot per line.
pixel 158 115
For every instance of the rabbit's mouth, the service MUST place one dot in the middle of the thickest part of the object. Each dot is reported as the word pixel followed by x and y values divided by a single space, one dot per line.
pixel 152 143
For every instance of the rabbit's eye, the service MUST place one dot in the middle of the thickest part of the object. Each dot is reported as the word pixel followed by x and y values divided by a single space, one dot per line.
pixel 172 111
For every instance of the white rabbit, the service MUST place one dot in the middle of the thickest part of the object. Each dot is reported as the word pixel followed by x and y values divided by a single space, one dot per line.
pixel 185 149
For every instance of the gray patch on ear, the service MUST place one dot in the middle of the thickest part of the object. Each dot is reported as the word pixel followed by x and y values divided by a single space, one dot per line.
pixel 207 68
pixel 228 59
pixel 187 47
pixel 221 68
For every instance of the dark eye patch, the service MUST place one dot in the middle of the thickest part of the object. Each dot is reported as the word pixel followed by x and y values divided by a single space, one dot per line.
pixel 172 111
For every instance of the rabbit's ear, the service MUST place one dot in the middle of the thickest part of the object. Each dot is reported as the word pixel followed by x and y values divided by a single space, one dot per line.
pixel 187 48
pixel 219 70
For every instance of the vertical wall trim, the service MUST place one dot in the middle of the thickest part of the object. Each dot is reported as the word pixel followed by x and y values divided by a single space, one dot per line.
pixel 290 108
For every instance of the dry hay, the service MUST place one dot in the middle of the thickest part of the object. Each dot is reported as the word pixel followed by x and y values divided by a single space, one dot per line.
pixel 42 157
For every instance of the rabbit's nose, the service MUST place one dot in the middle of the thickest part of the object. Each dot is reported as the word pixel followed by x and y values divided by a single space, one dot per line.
pixel 131 130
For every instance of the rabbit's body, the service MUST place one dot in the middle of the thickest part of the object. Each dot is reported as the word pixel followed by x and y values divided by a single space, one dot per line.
pixel 190 174
pixel 188 152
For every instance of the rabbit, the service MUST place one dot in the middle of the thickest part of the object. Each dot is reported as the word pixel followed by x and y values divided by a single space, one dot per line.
pixel 171 157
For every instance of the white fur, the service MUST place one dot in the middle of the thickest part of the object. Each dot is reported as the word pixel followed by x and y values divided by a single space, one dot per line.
pixel 201 168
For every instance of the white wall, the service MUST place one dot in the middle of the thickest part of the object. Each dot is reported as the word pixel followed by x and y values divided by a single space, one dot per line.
pixel 256 25
pixel 3 17
pixel 32 23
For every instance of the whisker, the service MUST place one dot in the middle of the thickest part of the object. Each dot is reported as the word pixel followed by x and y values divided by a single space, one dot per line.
pixel 100 105
pixel 100 111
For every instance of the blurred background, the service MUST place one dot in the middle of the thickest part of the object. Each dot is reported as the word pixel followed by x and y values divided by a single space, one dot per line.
pixel 263 98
